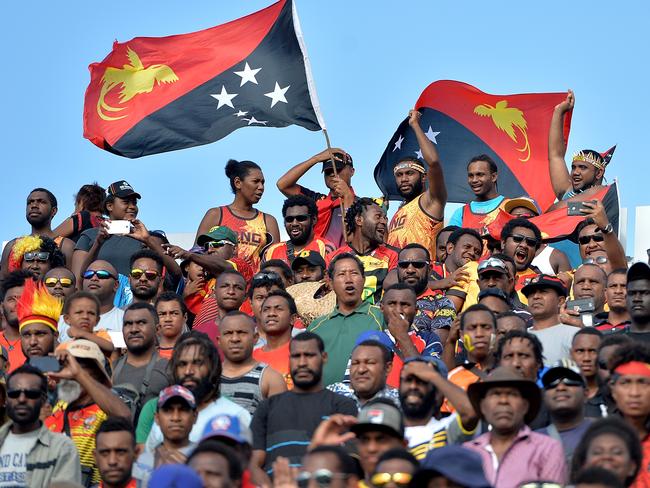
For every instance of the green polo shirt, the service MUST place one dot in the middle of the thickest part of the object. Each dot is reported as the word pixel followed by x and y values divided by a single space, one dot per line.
pixel 339 333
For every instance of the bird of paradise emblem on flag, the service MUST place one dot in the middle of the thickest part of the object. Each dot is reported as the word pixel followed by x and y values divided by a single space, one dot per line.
pixel 511 121
pixel 134 79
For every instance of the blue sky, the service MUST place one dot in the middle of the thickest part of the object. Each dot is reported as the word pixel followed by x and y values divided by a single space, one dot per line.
pixel 371 60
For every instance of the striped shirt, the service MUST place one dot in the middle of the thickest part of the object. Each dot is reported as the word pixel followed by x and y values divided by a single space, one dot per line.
pixel 245 390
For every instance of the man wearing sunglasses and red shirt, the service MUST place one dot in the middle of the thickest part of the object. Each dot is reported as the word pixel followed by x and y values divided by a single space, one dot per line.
pixel 520 239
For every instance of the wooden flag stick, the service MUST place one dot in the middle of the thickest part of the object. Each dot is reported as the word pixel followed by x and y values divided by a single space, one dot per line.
pixel 336 173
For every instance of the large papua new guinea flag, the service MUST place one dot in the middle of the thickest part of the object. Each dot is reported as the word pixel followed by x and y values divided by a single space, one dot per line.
pixel 157 94
pixel 464 122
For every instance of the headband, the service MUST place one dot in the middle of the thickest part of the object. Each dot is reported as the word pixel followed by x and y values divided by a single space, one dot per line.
pixel 590 158
pixel 414 165
pixel 634 367
pixel 38 319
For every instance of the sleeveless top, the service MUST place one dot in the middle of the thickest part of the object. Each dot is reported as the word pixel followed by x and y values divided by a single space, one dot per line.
pixel 245 390
pixel 412 224
pixel 543 261
pixel 252 235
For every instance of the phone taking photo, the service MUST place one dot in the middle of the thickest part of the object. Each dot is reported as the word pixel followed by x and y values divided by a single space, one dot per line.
pixel 46 364
pixel 118 227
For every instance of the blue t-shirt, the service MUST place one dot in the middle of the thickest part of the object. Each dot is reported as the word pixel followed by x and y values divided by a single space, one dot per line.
pixel 477 207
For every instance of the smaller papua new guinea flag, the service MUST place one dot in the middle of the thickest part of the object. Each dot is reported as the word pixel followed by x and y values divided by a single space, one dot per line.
pixel 464 122
pixel 157 94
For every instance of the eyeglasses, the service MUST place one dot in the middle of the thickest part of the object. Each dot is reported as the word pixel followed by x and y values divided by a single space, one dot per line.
pixel 531 241
pixel 30 394
pixel 322 477
pixel 101 274
pixel 150 274
pixel 415 264
pixel 218 244
pixel 598 260
pixel 382 479
pixel 37 256
pixel 300 218
pixel 492 263
pixel 52 282
pixel 591 237
pixel 565 381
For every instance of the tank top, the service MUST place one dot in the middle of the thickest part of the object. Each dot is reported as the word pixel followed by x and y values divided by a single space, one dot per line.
pixel 252 235
pixel 245 390
pixel 543 261
pixel 412 224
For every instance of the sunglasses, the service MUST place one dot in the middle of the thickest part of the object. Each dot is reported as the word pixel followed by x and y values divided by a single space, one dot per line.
pixel 492 263
pixel 382 479
pixel 565 381
pixel 592 237
pixel 218 244
pixel 415 264
pixel 137 273
pixel 268 275
pixel 52 282
pixel 36 256
pixel 299 218
pixel 598 260
pixel 101 274
pixel 518 238
pixel 30 394
pixel 322 477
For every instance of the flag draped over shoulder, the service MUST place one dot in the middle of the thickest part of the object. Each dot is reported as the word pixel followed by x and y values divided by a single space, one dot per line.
pixel 157 94
pixel 464 122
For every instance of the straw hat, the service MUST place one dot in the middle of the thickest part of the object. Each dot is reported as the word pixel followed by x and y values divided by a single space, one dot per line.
pixel 309 307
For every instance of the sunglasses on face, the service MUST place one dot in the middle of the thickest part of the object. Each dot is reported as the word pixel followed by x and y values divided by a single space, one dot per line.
pixel 518 238
pixel 29 394
pixel 37 256
pixel 382 479
pixel 592 237
pixel 218 244
pixel 101 274
pixel 51 282
pixel 137 273
pixel 269 275
pixel 322 477
pixel 415 264
pixel 598 260
pixel 565 381
pixel 299 218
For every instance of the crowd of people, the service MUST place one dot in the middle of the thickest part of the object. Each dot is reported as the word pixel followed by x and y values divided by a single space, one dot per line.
pixel 357 353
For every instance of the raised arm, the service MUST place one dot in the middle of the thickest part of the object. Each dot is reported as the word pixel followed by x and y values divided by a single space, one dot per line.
pixel 288 182
pixel 435 198
pixel 613 247
pixel 560 178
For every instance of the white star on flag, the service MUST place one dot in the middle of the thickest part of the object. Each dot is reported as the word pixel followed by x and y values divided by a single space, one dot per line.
pixel 247 75
pixel 398 143
pixel 277 95
pixel 224 98
pixel 418 153
pixel 253 120
pixel 240 114
pixel 432 135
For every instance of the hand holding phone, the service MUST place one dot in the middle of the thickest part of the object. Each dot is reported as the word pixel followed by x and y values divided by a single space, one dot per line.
pixel 118 227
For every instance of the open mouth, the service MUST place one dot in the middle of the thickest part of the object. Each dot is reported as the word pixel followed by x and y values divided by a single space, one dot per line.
pixel 521 255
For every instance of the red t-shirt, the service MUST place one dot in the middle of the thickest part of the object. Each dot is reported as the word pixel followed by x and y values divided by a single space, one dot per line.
pixel 278 359
pixel 15 351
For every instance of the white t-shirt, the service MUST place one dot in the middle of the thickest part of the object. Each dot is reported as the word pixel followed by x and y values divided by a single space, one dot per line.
pixel 111 320
pixel 13 458
pixel 219 407
pixel 556 341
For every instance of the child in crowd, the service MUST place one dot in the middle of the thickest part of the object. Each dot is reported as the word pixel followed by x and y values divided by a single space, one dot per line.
pixel 81 313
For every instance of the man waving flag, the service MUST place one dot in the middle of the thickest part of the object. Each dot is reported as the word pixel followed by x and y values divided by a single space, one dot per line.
pixel 157 94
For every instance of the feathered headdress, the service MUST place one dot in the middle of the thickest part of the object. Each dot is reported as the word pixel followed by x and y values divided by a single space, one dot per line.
pixel 20 247
pixel 36 305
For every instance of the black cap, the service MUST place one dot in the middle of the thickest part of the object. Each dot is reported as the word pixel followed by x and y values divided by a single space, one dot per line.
pixel 493 292
pixel 545 281
pixel 121 189
pixel 312 258
pixel 340 159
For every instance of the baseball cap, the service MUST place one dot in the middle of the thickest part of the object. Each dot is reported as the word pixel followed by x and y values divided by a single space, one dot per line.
pixel 456 463
pixel 545 281
pixel 227 426
pixel 377 336
pixel 492 264
pixel 85 349
pixel 176 391
pixel 493 292
pixel 564 368
pixel 340 159
pixel 121 189
pixel 218 233
pixel 313 258
pixel 175 476
pixel 638 271
pixel 525 202
pixel 380 415
pixel 437 363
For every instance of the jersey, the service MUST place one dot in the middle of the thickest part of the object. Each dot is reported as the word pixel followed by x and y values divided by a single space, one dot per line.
pixel 252 234
pixel 286 250
pixel 411 223
pixel 376 266
pixel 245 390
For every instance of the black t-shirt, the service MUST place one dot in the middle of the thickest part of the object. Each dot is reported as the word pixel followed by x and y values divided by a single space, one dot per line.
pixel 635 336
pixel 283 424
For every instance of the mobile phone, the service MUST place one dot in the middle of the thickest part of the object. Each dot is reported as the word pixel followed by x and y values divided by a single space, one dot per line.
pixel 574 208
pixel 118 227
pixel 46 364
pixel 581 305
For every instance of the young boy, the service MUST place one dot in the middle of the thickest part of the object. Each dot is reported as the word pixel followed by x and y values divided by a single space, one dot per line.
pixel 172 320
pixel 81 313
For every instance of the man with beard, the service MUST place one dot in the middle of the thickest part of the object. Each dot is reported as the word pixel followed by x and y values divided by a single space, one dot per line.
pixel 423 385
pixel 618 316
pixel 12 288
pixel 435 312
pixel 520 240
pixel 40 210
pixel 85 401
pixel 638 302
pixel 300 216
pixel 365 223
pixel 597 241
pixel 195 365
pixel 308 267
pixel 146 276
pixel 60 282
pixel 284 424
pixel 420 217
pixel 243 379
pixel 141 367
pixel 25 441
pixel 115 453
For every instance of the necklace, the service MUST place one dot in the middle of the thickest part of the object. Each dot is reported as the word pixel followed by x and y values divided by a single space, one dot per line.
pixel 12 345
